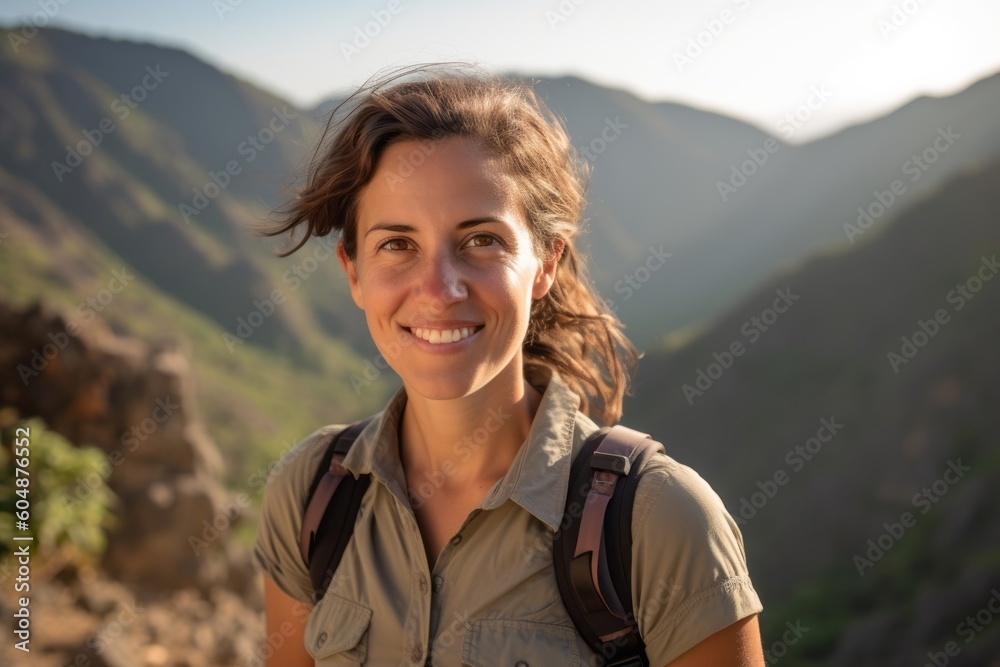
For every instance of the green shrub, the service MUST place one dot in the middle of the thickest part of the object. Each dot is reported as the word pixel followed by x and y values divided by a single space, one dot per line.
pixel 66 497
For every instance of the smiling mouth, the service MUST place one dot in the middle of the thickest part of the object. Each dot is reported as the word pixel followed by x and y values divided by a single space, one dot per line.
pixel 441 337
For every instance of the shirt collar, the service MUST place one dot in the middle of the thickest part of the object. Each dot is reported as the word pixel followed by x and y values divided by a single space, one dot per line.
pixel 376 450
pixel 539 474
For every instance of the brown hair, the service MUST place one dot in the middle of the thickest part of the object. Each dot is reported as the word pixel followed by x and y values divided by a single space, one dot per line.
pixel 571 329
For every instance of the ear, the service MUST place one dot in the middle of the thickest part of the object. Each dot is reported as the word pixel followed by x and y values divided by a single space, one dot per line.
pixel 352 276
pixel 547 271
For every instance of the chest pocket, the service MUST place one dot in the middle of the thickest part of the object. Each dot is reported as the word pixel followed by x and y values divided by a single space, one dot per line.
pixel 337 631
pixel 509 643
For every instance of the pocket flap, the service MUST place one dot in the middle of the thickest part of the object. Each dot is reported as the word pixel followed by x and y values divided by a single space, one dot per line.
pixel 338 625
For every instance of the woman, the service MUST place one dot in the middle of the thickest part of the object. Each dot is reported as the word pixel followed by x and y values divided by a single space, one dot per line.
pixel 458 199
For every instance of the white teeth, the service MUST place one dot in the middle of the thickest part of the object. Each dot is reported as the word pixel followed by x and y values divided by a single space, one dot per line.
pixel 437 336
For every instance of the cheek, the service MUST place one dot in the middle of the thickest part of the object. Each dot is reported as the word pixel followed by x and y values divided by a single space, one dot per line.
pixel 379 286
pixel 514 291
pixel 380 301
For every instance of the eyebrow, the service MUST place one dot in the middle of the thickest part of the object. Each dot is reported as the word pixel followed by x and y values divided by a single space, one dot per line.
pixel 465 224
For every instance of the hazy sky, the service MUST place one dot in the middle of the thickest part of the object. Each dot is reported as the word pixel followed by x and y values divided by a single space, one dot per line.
pixel 756 60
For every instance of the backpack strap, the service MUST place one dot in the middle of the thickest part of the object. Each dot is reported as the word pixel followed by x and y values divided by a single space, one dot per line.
pixel 592 552
pixel 334 501
pixel 596 591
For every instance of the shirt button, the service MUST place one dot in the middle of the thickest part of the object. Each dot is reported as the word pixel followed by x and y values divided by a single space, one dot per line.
pixel 438 584
pixel 423 584
pixel 520 663
pixel 417 653
pixel 456 539
pixel 322 638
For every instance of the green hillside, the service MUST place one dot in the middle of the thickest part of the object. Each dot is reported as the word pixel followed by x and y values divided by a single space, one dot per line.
pixel 170 163
pixel 126 156
pixel 818 385
pixel 827 402
pixel 254 402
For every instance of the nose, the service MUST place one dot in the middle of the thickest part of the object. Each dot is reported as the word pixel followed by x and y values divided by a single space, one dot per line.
pixel 442 281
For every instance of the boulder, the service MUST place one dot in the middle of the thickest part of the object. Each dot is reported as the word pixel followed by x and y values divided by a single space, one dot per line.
pixel 137 403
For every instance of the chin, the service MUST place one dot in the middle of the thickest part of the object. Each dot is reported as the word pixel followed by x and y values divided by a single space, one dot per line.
pixel 439 386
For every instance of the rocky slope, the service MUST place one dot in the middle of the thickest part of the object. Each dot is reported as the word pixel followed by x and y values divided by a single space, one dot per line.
pixel 172 587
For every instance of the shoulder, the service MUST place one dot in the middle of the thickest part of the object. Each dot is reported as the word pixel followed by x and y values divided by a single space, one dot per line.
pixel 677 512
pixel 276 553
pixel 672 501
pixel 690 577
pixel 290 476
pixel 671 491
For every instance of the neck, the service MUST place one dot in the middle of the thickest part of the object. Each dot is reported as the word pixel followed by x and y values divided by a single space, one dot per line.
pixel 466 444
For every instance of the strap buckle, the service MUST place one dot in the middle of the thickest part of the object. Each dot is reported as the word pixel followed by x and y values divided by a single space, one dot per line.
pixel 616 463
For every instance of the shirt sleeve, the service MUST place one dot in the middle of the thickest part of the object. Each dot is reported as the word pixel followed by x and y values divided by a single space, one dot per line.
pixel 689 572
pixel 276 550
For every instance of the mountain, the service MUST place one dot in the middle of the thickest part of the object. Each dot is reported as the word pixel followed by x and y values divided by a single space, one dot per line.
pixel 174 183
pixel 818 370
pixel 841 395
pixel 661 182
pixel 102 145
pixel 732 203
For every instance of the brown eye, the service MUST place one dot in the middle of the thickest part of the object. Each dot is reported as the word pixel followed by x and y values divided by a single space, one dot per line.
pixel 386 243
pixel 493 240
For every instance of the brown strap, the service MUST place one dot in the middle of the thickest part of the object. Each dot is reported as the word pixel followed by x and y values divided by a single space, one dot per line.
pixel 318 504
pixel 620 441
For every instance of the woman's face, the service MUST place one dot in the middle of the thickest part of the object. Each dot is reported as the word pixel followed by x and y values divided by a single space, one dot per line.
pixel 443 247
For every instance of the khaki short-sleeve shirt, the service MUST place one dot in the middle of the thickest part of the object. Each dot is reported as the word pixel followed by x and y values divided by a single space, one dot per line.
pixel 492 597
